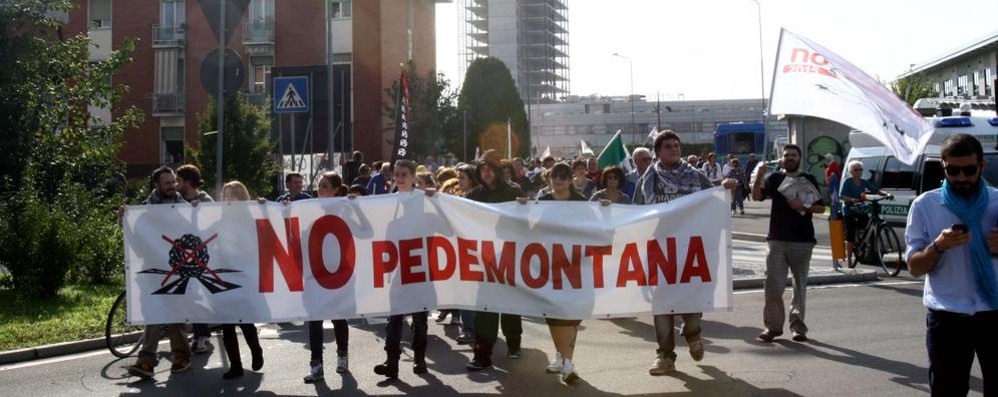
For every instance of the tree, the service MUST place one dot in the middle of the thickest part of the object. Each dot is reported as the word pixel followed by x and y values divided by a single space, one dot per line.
pixel 490 98
pixel 434 122
pixel 57 213
pixel 913 87
pixel 247 152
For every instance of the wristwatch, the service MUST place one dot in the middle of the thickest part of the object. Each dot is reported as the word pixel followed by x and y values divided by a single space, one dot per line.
pixel 936 248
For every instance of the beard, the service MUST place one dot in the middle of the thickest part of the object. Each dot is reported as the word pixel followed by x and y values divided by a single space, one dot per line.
pixel 791 166
pixel 965 188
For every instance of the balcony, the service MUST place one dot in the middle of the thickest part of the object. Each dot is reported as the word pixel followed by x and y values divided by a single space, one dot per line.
pixel 259 37
pixel 168 36
pixel 168 104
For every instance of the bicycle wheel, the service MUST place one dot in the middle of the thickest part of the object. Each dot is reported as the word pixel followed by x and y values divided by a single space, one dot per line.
pixel 122 339
pixel 890 255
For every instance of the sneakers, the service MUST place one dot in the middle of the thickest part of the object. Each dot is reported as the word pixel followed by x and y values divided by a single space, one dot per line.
pixel 200 345
pixel 342 365
pixel 568 374
pixel 388 369
pixel 419 367
pixel 696 348
pixel 513 353
pixel 441 317
pixel 465 338
pixel 477 364
pixel 180 364
pixel 314 372
pixel 556 364
pixel 768 336
pixel 798 336
pixel 141 369
pixel 662 365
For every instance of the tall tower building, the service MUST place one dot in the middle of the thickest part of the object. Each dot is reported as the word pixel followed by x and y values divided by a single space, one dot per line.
pixel 529 36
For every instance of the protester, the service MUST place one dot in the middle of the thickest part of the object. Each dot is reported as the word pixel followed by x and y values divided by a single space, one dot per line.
pixel 163 181
pixel 236 191
pixel 642 159
pixel 581 182
pixel 790 239
pixel 853 193
pixel 712 169
pixel 189 184
pixel 494 188
pixel 750 165
pixel 593 172
pixel 294 182
pixel 363 176
pixel 960 291
pixel 405 176
pixel 351 169
pixel 467 178
pixel 431 165
pixel 832 169
pixel 443 175
pixel 509 173
pixel 736 172
pixel 612 177
pixel 424 180
pixel 548 162
pixel 668 179
pixel 329 185
pixel 379 181
pixel 563 332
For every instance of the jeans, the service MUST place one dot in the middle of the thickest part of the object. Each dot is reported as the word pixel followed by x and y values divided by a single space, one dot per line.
pixel 232 344
pixel 178 342
pixel 952 339
pixel 393 337
pixel 487 332
pixel 665 331
pixel 737 199
pixel 468 322
pixel 315 333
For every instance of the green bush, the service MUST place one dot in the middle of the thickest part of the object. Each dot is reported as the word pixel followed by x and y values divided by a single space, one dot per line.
pixel 38 247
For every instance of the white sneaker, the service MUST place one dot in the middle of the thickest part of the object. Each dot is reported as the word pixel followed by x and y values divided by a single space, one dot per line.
pixel 342 365
pixel 556 364
pixel 662 365
pixel 201 345
pixel 314 372
pixel 568 374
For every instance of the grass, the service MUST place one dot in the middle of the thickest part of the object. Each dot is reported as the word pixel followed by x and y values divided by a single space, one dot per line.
pixel 78 312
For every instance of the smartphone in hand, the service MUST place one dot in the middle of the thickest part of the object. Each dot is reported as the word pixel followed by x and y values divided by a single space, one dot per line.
pixel 959 227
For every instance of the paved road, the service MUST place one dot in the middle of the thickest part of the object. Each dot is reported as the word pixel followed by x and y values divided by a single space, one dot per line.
pixel 866 341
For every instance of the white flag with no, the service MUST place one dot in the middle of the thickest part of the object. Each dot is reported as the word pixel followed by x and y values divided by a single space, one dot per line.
pixel 813 81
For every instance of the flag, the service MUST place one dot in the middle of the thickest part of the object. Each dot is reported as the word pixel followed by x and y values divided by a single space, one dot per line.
pixel 401 149
pixel 477 156
pixel 654 131
pixel 813 81
pixel 547 152
pixel 615 153
pixel 586 150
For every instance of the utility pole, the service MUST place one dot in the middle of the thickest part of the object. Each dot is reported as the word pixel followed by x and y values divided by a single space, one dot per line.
pixel 220 121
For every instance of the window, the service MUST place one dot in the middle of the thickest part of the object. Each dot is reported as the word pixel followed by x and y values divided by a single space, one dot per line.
pixel 261 10
pixel 172 14
pixel 261 74
pixel 342 57
pixel 897 175
pixel 871 165
pixel 100 14
pixel 172 145
pixel 932 175
pixel 988 82
pixel 977 83
pixel 961 84
pixel 948 88
pixel 340 9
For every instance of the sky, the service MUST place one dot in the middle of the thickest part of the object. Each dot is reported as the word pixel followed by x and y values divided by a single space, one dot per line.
pixel 709 49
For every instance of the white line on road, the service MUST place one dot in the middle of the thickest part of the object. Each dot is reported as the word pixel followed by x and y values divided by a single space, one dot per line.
pixel 852 285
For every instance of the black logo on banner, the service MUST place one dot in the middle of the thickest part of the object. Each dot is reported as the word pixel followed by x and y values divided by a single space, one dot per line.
pixel 189 259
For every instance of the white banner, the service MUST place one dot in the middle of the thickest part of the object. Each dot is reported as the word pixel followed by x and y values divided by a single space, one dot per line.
pixel 811 80
pixel 402 253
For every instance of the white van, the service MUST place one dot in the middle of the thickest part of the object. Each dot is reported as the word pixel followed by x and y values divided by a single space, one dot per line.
pixel 906 182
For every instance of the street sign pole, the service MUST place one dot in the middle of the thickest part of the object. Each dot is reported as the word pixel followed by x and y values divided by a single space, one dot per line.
pixel 220 122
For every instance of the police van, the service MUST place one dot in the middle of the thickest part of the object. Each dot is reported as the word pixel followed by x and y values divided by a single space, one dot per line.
pixel 905 182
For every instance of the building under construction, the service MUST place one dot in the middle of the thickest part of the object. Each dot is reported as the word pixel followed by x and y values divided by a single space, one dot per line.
pixel 529 36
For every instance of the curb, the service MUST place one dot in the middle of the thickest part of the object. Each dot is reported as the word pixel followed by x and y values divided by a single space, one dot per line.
pixel 67 348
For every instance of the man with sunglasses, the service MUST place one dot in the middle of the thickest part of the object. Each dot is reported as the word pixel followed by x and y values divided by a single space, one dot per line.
pixel 791 242
pixel 668 179
pixel 952 239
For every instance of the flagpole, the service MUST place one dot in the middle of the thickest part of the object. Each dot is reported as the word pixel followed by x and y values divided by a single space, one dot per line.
pixel 509 138
pixel 776 64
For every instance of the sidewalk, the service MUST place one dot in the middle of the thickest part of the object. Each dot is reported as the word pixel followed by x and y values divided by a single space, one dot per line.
pixel 751 227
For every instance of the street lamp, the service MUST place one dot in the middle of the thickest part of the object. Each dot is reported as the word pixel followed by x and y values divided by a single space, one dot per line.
pixel 762 86
pixel 634 127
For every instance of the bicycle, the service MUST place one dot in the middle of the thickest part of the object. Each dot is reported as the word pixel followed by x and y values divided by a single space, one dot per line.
pixel 122 339
pixel 878 244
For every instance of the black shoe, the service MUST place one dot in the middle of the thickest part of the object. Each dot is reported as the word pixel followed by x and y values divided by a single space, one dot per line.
pixel 257 359
pixel 768 336
pixel 477 365
pixel 798 336
pixel 389 370
pixel 234 372
pixel 419 367
pixel 513 353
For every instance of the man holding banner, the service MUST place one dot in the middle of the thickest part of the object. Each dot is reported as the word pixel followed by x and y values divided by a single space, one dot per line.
pixel 671 178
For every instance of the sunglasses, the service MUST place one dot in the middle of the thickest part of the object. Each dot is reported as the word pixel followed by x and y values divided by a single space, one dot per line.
pixel 968 170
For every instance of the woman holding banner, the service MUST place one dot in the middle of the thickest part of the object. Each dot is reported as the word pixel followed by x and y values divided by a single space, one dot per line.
pixel 328 188
pixel 236 191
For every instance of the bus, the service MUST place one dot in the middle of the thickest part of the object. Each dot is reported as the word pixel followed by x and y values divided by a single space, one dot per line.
pixel 740 139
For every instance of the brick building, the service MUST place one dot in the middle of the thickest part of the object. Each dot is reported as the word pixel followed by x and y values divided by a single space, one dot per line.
pixel 364 42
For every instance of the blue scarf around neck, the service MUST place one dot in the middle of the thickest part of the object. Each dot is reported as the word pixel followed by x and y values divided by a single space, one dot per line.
pixel 971 213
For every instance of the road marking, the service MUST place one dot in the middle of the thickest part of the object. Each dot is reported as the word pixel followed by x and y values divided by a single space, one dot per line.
pixel 849 285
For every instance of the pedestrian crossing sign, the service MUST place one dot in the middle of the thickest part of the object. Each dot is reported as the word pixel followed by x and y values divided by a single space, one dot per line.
pixel 291 94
